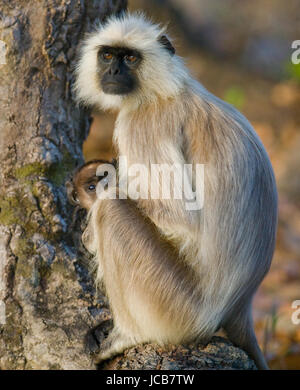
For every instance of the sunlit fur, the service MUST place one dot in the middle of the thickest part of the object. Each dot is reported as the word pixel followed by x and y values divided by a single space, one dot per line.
pixel 228 245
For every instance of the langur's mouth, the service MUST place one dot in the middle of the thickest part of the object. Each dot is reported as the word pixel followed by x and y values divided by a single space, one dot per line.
pixel 113 88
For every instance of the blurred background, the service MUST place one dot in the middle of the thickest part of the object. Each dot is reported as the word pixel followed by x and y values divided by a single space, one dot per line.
pixel 241 51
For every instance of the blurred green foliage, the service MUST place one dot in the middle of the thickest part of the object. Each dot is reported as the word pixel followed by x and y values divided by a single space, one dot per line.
pixel 235 95
pixel 293 71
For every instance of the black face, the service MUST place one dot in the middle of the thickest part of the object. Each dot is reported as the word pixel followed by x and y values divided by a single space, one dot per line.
pixel 118 67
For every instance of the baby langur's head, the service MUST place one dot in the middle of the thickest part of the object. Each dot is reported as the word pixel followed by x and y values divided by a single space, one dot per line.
pixel 81 189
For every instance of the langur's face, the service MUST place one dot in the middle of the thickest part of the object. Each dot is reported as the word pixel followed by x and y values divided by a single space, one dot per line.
pixel 82 189
pixel 85 184
pixel 118 69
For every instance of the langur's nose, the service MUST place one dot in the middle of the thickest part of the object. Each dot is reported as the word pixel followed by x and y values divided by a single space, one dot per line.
pixel 114 70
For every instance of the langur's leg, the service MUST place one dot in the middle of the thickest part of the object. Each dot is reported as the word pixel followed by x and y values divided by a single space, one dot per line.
pixel 113 345
pixel 96 336
pixel 240 331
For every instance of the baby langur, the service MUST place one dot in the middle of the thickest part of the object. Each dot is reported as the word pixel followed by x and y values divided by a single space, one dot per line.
pixel 81 189
pixel 131 243
pixel 174 274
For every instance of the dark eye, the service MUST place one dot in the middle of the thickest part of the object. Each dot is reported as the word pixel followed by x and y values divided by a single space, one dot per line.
pixel 91 187
pixel 131 59
pixel 107 56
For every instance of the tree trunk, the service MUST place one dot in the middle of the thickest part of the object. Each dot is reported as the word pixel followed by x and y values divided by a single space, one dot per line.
pixel 47 298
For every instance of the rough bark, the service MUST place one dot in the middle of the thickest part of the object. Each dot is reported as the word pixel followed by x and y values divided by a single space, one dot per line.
pixel 219 354
pixel 49 297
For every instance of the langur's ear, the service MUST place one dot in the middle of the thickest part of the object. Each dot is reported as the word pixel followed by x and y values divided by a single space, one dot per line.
pixel 164 41
pixel 114 162
pixel 71 193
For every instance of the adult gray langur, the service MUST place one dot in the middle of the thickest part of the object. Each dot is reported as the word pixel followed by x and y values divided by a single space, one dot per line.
pixel 174 275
